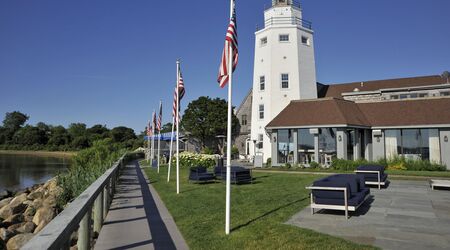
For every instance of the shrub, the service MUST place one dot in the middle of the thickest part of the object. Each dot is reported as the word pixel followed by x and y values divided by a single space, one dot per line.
pixel 207 151
pixel 287 165
pixel 87 166
pixel 188 160
pixel 269 162
pixel 346 165
pixel 314 165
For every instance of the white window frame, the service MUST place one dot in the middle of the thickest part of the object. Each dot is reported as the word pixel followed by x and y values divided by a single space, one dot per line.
pixel 261 111
pixel 263 83
pixel 284 41
pixel 281 80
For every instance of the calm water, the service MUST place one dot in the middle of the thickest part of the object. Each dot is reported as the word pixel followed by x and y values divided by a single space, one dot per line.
pixel 21 171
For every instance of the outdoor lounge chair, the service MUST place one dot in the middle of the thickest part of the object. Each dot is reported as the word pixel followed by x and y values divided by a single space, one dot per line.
pixel 239 175
pixel 339 192
pixel 372 174
pixel 200 174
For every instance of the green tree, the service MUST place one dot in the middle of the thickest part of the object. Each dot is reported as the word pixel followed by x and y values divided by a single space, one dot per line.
pixel 28 136
pixel 59 136
pixel 166 128
pixel 206 118
pixel 98 132
pixel 13 122
pixel 122 134
pixel 44 132
pixel 77 130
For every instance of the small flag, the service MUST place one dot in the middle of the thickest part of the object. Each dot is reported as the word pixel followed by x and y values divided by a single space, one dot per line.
pixel 149 129
pixel 158 125
pixel 231 42
pixel 181 92
pixel 154 120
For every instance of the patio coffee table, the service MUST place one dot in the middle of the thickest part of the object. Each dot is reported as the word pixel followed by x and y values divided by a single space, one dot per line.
pixel 439 183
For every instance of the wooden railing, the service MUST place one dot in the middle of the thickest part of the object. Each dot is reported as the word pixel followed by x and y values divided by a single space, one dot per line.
pixel 95 200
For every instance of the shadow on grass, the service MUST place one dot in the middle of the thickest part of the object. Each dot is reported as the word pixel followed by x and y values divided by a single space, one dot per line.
pixel 268 213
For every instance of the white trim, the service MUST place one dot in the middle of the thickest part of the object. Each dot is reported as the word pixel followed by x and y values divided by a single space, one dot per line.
pixel 321 126
pixel 413 126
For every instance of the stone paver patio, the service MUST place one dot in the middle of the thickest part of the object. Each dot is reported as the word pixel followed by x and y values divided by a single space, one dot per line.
pixel 406 215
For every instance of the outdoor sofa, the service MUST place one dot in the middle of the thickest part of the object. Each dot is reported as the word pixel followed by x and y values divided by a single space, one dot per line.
pixel 372 174
pixel 345 192
pixel 239 175
pixel 200 174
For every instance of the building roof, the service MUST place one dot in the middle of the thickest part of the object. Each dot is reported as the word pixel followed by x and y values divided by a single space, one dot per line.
pixel 317 112
pixel 338 112
pixel 428 111
pixel 336 90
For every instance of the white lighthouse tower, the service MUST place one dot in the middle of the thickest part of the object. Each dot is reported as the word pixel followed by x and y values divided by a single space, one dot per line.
pixel 284 67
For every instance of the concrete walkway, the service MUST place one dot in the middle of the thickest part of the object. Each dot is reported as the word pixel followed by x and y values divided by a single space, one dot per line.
pixel 137 218
pixel 406 215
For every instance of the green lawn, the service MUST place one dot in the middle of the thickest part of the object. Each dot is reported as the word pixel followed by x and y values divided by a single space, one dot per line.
pixel 401 174
pixel 257 214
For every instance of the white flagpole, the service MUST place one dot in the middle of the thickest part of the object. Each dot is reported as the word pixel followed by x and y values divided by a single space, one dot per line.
pixel 153 142
pixel 228 179
pixel 178 129
pixel 170 150
pixel 148 144
pixel 159 134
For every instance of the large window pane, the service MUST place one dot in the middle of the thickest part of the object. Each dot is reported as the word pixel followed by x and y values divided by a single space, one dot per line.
pixel 327 145
pixel 285 146
pixel 393 142
pixel 305 142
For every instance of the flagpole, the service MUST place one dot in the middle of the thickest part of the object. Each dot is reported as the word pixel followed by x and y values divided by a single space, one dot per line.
pixel 153 141
pixel 159 133
pixel 178 129
pixel 170 150
pixel 148 143
pixel 228 179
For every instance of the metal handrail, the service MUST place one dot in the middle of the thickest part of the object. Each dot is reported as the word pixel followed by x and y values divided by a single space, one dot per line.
pixel 286 21
pixel 57 234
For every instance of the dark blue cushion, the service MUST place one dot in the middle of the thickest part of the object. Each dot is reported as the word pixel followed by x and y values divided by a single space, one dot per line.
pixel 373 177
pixel 331 194
pixel 352 180
pixel 371 168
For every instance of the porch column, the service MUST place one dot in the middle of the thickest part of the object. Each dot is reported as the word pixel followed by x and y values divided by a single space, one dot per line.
pixel 295 149
pixel 357 147
pixel 368 146
pixel 316 147
pixel 274 143
pixel 341 145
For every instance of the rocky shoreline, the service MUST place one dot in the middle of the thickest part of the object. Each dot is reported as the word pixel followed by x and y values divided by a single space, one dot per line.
pixel 26 212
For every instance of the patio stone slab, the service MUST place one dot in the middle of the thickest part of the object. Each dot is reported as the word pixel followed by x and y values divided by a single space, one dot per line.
pixel 405 215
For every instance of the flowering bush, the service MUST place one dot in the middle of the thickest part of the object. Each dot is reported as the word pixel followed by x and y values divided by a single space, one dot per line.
pixel 188 160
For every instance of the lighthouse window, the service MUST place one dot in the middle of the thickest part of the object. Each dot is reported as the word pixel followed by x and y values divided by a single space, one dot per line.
pixel 262 83
pixel 284 81
pixel 305 40
pixel 261 111
pixel 284 38
pixel 263 41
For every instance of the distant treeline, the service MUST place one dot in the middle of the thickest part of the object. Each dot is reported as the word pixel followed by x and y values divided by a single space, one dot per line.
pixel 16 135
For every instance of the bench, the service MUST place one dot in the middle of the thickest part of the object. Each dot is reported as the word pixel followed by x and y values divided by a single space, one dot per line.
pixel 439 183
pixel 372 174
pixel 338 192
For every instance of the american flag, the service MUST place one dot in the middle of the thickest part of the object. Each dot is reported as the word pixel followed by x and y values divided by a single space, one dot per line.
pixel 154 120
pixel 181 91
pixel 158 124
pixel 149 129
pixel 231 42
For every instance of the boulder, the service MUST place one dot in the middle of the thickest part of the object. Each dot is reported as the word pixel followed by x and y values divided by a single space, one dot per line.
pixel 35 194
pixel 15 226
pixel 50 201
pixel 28 227
pixel 5 202
pixel 30 211
pixel 18 199
pixel 14 219
pixel 44 215
pixel 11 209
pixel 6 234
pixel 38 203
pixel 5 194
pixel 39 228
pixel 18 241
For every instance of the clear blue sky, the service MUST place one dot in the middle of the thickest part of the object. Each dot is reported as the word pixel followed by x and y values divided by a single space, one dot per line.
pixel 111 61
